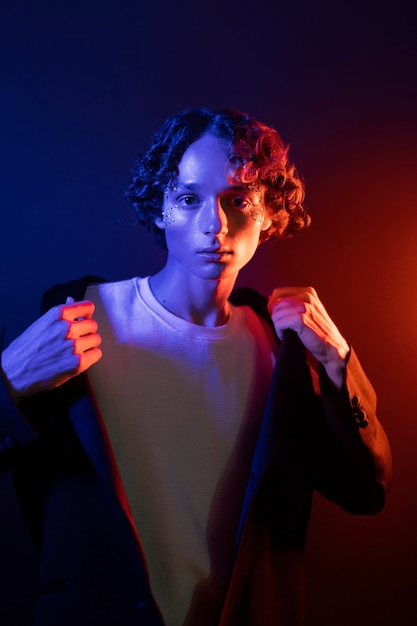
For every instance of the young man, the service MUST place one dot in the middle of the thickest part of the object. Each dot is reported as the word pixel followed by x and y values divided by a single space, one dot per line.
pixel 172 482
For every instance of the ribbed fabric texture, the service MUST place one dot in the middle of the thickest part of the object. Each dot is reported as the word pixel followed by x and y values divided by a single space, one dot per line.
pixel 182 404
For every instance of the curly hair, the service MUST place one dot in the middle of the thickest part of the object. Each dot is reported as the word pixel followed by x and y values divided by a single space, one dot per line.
pixel 256 152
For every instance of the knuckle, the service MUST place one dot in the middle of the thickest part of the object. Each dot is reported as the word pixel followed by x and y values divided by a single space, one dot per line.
pixel 75 346
pixel 61 309
pixel 76 362
pixel 67 329
pixel 312 293
pixel 54 313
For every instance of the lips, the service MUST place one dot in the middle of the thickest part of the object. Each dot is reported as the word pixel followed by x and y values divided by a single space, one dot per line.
pixel 215 254
pixel 212 250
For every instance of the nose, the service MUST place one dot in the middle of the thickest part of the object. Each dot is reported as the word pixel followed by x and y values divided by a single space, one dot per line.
pixel 214 218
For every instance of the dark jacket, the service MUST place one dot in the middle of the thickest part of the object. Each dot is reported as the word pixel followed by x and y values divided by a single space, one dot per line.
pixel 93 572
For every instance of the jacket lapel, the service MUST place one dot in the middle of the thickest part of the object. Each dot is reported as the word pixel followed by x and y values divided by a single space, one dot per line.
pixel 87 422
pixel 83 412
pixel 288 379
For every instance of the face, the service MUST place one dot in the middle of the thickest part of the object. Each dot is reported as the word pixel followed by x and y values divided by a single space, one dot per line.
pixel 212 226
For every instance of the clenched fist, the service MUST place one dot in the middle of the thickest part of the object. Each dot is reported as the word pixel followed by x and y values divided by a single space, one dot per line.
pixel 59 345
pixel 300 309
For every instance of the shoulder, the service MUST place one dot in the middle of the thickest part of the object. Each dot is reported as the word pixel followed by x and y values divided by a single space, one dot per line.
pixel 101 287
pixel 57 294
pixel 119 295
pixel 247 296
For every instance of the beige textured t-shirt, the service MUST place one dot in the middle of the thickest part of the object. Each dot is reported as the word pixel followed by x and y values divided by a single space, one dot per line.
pixel 182 405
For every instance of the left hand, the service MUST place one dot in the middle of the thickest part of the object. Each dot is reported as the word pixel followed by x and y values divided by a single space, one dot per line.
pixel 58 346
pixel 300 309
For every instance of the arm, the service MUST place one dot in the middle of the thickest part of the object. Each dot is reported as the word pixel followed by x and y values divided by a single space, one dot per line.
pixel 58 346
pixel 351 453
pixel 300 309
pixel 15 430
pixel 348 447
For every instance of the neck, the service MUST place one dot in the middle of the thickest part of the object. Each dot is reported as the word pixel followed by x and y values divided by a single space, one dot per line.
pixel 200 301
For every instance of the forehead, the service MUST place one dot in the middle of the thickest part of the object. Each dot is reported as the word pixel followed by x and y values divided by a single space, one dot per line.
pixel 205 161
pixel 206 167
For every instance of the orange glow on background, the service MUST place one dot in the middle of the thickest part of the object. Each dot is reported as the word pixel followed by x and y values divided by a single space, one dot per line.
pixel 83 89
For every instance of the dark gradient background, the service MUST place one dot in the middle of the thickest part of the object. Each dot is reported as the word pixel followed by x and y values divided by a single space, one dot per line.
pixel 83 87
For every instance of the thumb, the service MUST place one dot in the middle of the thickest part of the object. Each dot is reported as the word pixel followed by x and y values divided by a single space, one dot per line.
pixel 69 300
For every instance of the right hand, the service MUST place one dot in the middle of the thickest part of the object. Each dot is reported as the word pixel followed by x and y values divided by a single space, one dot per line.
pixel 59 345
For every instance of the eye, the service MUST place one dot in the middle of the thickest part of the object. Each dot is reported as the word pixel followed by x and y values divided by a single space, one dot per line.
pixel 188 202
pixel 237 202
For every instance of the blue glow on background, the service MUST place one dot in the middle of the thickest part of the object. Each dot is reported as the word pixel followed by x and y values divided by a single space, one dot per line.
pixel 83 87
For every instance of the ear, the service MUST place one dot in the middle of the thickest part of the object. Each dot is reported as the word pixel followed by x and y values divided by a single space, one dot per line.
pixel 159 222
pixel 266 223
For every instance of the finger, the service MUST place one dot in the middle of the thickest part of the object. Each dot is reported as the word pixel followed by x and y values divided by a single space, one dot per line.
pixel 305 294
pixel 284 292
pixel 283 303
pixel 291 321
pixel 88 342
pixel 298 318
pixel 82 309
pixel 287 307
pixel 87 359
pixel 81 327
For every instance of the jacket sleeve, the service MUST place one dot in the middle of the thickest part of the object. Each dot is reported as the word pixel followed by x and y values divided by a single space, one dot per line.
pixel 335 436
pixel 16 432
pixel 22 425
pixel 352 457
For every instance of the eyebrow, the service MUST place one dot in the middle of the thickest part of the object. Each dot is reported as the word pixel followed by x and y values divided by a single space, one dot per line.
pixel 186 186
pixel 180 186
